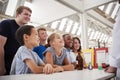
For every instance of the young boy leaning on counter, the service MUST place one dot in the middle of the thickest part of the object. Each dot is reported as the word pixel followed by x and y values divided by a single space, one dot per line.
pixel 26 61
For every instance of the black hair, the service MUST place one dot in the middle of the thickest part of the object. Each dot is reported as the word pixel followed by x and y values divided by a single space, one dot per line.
pixel 65 35
pixel 26 29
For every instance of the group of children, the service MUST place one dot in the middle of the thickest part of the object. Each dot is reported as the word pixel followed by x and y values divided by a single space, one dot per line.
pixel 55 57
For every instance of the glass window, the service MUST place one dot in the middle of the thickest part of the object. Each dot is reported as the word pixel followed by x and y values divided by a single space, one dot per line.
pixel 109 8
pixel 62 24
pixel 69 25
pixel 75 27
pixel 115 10
pixel 79 30
pixel 54 24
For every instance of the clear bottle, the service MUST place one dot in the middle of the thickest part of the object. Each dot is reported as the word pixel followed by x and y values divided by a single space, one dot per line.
pixel 90 66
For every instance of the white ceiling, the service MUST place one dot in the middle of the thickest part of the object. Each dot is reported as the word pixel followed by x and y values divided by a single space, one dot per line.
pixel 45 11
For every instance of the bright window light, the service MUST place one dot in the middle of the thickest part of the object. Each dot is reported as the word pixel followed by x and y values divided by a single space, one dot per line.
pixel 62 24
pixel 109 8
pixel 79 30
pixel 106 40
pixel 92 34
pixel 28 4
pixel 89 31
pixel 101 7
pixel 75 27
pixel 101 37
pixel 98 37
pixel 115 10
pixel 45 25
pixel 69 25
pixel 96 34
pixel 11 7
pixel 110 40
pixel 54 24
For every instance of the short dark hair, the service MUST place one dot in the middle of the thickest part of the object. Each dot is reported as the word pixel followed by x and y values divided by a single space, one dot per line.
pixel 65 35
pixel 21 8
pixel 26 29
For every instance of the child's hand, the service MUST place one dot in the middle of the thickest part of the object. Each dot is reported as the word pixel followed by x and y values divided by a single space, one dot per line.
pixel 59 69
pixel 48 69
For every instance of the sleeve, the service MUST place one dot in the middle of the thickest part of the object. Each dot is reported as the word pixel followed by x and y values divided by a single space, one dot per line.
pixel 112 61
pixel 48 49
pixel 4 28
pixel 40 61
pixel 72 57
pixel 25 54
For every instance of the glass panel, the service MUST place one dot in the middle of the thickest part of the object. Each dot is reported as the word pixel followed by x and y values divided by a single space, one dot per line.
pixel 106 40
pixel 96 34
pixel 115 10
pixel 92 34
pixel 75 27
pixel 98 37
pixel 109 8
pixel 79 30
pixel 63 22
pixel 110 40
pixel 11 7
pixel 101 37
pixel 101 7
pixel 89 31
pixel 54 24
pixel 69 25
pixel 45 25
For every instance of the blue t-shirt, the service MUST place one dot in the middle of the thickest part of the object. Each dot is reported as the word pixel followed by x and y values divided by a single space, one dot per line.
pixel 39 50
pixel 8 29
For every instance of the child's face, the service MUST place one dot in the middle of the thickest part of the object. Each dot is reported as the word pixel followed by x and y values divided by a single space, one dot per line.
pixel 33 39
pixel 58 41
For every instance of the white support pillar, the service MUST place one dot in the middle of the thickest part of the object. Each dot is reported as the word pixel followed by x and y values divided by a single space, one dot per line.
pixel 84 30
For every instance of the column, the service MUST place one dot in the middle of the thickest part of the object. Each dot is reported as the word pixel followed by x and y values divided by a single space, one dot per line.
pixel 84 30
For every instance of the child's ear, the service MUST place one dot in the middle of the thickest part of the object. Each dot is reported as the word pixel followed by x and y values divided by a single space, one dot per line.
pixel 25 37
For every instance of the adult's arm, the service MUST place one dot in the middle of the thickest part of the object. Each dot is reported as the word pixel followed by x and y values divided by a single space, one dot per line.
pixel 2 63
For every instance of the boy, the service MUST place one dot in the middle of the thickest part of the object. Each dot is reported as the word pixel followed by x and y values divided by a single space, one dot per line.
pixel 25 60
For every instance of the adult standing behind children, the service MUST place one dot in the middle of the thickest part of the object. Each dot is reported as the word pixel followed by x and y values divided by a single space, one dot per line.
pixel 114 58
pixel 27 61
pixel 43 37
pixel 8 43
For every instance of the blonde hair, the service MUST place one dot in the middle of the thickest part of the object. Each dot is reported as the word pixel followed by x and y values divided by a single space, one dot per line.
pixel 52 37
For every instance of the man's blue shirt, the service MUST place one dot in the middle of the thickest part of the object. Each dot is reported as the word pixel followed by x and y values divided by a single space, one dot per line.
pixel 39 50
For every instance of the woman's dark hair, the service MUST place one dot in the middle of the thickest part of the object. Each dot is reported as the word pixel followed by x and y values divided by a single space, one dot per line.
pixel 79 50
pixel 26 29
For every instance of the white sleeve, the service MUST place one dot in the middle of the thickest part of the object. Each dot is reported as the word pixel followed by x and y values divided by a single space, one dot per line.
pixel 112 61
pixel 72 57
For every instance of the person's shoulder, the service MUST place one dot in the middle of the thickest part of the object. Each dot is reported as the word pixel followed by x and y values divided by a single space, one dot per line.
pixel 22 49
pixel 7 20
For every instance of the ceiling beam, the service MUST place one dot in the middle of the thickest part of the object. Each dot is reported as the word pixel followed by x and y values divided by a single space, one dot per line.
pixel 100 18
pixel 90 4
